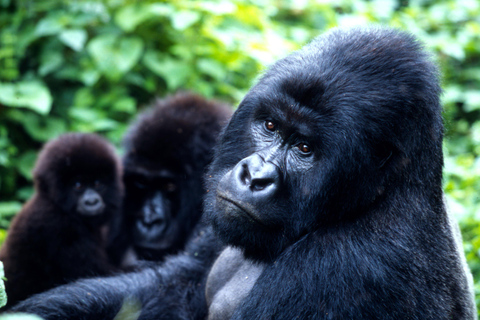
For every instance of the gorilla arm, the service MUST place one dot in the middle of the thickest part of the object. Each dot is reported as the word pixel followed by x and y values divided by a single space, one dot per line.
pixel 178 283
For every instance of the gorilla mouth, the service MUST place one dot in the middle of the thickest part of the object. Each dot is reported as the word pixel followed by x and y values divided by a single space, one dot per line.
pixel 237 205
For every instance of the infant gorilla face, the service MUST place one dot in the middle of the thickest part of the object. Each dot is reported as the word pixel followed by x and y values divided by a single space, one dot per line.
pixel 90 201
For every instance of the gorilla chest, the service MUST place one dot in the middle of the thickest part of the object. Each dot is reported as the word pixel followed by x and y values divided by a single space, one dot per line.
pixel 229 282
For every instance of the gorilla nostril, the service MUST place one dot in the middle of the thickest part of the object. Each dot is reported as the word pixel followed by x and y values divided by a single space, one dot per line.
pixel 260 184
pixel 92 201
pixel 245 177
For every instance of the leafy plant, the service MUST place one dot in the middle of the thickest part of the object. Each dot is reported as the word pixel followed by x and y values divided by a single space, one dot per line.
pixel 91 65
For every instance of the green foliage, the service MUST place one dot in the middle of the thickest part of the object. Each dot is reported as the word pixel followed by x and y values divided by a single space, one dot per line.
pixel 3 296
pixel 91 65
pixel 20 316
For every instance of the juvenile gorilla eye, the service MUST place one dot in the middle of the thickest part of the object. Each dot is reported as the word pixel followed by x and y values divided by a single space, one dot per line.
pixel 269 125
pixel 139 185
pixel 78 185
pixel 97 184
pixel 170 187
pixel 305 148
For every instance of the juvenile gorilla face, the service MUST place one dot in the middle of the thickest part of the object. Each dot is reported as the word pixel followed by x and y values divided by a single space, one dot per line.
pixel 153 200
pixel 81 175
pixel 90 202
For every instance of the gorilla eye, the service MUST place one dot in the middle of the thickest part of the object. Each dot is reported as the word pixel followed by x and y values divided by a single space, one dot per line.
pixel 170 187
pixel 139 185
pixel 97 184
pixel 305 148
pixel 78 185
pixel 269 125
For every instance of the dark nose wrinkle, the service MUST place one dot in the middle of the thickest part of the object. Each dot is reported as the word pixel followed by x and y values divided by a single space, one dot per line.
pixel 153 211
pixel 259 174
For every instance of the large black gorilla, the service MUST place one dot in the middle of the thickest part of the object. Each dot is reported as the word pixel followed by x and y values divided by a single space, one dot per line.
pixel 167 150
pixel 326 189
pixel 59 235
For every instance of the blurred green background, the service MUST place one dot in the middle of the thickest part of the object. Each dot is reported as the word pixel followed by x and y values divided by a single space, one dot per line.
pixel 89 66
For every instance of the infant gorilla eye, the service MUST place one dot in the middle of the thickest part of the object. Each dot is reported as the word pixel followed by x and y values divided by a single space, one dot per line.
pixel 97 184
pixel 269 125
pixel 78 185
pixel 304 148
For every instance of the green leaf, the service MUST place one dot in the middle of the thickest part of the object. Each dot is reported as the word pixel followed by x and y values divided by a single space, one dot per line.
pixel 126 104
pixel 50 25
pixel 174 72
pixel 50 62
pixel 42 128
pixel 472 100
pixel 74 38
pixel 212 67
pixel 25 164
pixel 33 95
pixel 9 209
pixel 184 19
pixel 3 295
pixel 20 316
pixel 115 55
pixel 129 17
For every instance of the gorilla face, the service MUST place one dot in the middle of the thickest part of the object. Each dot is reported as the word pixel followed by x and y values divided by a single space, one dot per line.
pixel 152 198
pixel 319 128
pixel 267 199
pixel 90 202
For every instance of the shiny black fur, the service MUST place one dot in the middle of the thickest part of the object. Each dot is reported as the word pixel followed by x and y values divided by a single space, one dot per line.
pixel 50 242
pixel 357 227
pixel 167 150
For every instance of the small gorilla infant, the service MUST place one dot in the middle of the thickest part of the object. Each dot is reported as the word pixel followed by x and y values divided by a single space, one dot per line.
pixel 167 151
pixel 57 236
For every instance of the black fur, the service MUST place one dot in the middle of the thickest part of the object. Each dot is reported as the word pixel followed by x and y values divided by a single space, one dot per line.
pixel 340 147
pixel 49 242
pixel 167 151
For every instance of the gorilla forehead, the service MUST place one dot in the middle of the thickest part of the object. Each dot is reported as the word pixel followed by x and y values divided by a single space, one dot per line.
pixel 351 77
pixel 366 68
pixel 79 154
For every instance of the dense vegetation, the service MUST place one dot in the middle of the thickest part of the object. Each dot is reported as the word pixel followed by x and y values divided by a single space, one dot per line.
pixel 89 66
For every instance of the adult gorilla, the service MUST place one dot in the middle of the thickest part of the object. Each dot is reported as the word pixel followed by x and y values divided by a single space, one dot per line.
pixel 328 184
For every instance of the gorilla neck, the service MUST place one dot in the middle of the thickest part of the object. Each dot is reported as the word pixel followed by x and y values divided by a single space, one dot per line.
pixel 229 282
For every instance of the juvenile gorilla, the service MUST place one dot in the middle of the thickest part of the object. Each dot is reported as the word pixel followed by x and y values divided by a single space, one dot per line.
pixel 326 187
pixel 57 236
pixel 167 151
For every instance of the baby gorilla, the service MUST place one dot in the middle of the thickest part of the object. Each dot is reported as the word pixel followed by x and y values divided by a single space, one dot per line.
pixel 167 151
pixel 58 235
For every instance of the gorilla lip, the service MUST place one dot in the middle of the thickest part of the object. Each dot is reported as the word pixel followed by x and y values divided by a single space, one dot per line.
pixel 238 205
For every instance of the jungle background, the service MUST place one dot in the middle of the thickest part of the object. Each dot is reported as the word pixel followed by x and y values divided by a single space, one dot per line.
pixel 90 66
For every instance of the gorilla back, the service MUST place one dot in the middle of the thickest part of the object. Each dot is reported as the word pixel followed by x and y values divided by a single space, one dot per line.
pixel 327 183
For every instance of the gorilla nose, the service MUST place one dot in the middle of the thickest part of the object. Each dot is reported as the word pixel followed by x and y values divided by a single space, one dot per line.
pixel 90 203
pixel 257 175
pixel 91 199
pixel 153 213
